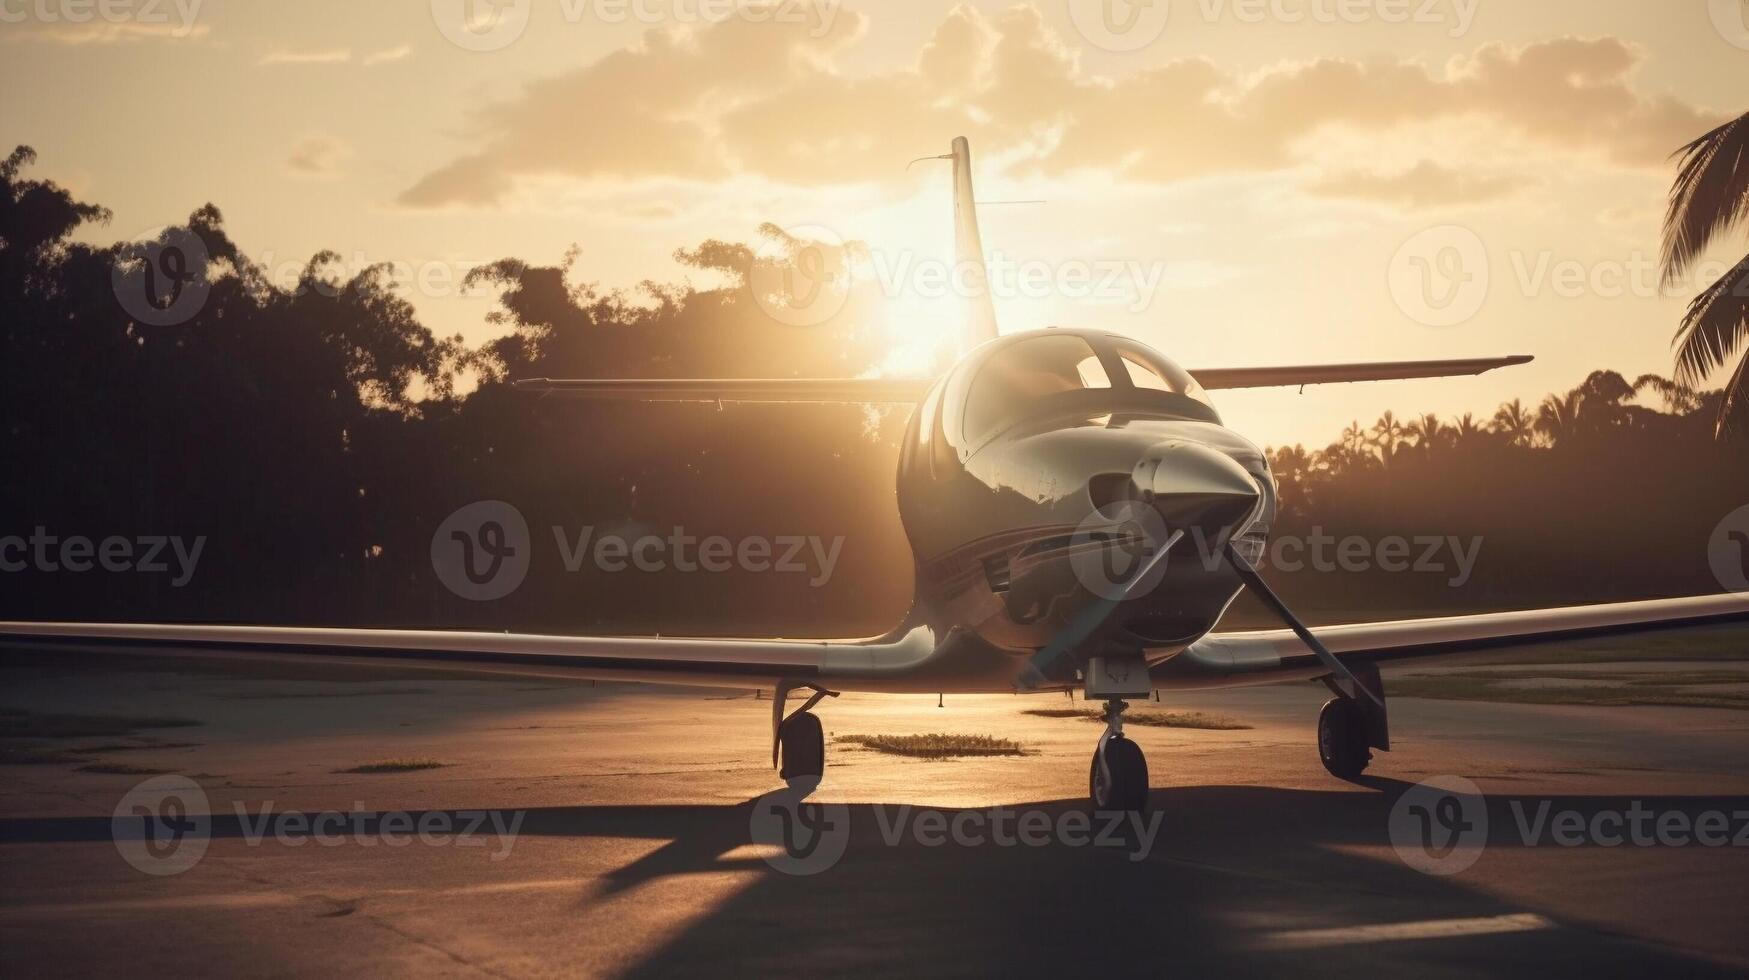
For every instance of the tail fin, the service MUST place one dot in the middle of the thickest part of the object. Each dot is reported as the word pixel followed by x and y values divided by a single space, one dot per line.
pixel 978 322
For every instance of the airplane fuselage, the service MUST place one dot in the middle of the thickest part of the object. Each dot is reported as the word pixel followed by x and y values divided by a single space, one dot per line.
pixel 1042 471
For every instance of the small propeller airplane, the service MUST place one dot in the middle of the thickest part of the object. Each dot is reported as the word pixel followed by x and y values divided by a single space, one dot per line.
pixel 1044 481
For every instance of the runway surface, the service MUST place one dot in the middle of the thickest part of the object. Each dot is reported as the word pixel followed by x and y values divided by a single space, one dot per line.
pixel 635 817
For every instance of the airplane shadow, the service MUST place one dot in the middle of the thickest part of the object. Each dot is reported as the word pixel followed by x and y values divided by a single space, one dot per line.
pixel 1232 868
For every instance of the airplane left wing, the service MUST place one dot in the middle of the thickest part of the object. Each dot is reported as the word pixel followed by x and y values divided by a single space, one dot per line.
pixel 739 390
pixel 845 664
pixel 1270 656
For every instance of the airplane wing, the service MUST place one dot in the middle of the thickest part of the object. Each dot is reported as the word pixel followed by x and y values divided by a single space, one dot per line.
pixel 1318 374
pixel 1271 656
pixel 850 664
pixel 744 390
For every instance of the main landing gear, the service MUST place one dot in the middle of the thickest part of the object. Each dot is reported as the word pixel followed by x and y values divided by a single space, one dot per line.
pixel 798 741
pixel 1118 778
pixel 1342 739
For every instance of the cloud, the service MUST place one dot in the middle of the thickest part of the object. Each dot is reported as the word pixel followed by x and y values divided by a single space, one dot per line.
pixel 337 56
pixel 109 32
pixel 318 155
pixel 1425 185
pixel 387 55
pixel 770 100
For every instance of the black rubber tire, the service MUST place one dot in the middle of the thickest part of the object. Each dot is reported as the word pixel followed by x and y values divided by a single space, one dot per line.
pixel 1129 777
pixel 804 746
pixel 1342 739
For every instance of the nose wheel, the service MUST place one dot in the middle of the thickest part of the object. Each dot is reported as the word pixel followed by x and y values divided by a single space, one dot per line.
pixel 1118 777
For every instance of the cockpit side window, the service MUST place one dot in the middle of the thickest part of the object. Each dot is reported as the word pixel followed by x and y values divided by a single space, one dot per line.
pixel 1012 382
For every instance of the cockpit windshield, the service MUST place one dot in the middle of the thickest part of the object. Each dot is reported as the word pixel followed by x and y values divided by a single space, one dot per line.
pixel 1019 378
pixel 1148 369
pixel 1013 381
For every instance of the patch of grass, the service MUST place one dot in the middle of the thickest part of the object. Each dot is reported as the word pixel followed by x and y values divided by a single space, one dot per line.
pixel 122 769
pixel 1149 719
pixel 1622 690
pixel 25 724
pixel 393 765
pixel 935 745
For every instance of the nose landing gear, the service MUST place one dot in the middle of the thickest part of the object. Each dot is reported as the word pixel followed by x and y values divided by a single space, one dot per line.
pixel 1118 778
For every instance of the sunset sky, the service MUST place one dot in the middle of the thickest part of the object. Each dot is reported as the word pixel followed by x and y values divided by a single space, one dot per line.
pixel 1266 182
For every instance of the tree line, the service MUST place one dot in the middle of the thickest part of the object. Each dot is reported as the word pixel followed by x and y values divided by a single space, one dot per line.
pixel 314 436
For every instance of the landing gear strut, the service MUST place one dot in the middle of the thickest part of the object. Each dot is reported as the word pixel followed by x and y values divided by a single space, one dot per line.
pixel 1118 778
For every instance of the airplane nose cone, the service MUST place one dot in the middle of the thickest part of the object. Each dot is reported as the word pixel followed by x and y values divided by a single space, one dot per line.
pixel 1192 485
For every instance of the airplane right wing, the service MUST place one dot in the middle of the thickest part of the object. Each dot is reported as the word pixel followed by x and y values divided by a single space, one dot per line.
pixel 1290 376
pixel 1270 656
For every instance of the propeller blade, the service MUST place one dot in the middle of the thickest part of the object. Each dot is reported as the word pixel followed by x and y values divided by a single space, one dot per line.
pixel 1345 678
pixel 1088 622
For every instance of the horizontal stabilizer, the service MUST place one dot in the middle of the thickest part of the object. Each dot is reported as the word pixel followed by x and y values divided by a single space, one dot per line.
pixel 1290 376
pixel 774 390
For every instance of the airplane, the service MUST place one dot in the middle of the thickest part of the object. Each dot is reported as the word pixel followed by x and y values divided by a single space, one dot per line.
pixel 1080 519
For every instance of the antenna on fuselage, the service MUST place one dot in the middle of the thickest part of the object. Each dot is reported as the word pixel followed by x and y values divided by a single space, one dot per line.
pixel 978 319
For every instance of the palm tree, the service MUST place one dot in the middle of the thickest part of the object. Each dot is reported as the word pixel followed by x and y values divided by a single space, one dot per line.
pixel 1427 431
pixel 1513 422
pixel 1678 398
pixel 1466 430
pixel 1709 198
pixel 1558 417
pixel 1386 434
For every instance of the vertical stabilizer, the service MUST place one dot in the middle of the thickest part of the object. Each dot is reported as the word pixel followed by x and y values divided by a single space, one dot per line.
pixel 978 321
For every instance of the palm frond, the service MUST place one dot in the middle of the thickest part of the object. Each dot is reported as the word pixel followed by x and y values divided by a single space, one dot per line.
pixel 1716 324
pixel 1710 195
